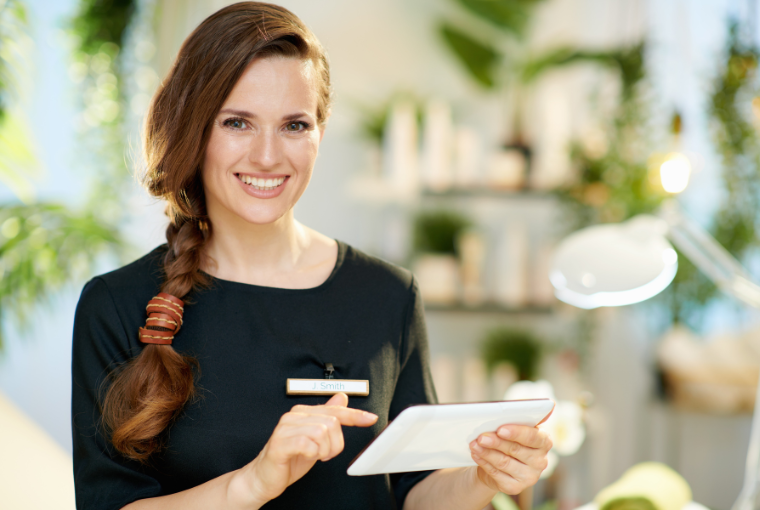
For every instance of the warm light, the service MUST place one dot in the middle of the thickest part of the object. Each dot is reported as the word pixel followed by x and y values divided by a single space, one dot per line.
pixel 674 173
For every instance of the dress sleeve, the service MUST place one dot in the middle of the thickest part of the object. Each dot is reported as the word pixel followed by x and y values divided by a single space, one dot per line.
pixel 415 382
pixel 103 479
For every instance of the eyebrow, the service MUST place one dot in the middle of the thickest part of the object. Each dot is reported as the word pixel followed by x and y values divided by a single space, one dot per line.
pixel 249 115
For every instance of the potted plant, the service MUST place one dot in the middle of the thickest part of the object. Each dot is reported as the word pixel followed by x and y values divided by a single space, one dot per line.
pixel 436 262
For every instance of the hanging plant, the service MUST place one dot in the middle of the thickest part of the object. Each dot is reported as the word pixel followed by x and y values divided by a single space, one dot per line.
pixel 734 110
pixel 616 183
pixel 98 31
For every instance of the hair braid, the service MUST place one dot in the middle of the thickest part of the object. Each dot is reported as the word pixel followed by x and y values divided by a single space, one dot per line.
pixel 149 392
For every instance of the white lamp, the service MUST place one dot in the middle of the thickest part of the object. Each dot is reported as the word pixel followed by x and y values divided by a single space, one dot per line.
pixel 621 264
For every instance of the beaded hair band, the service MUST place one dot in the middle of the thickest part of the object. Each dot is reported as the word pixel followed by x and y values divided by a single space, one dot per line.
pixel 164 319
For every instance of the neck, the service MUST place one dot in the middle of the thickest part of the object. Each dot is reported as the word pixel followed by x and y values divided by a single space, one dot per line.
pixel 239 250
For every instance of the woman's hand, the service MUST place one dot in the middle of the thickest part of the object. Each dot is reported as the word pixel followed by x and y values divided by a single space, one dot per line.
pixel 303 436
pixel 512 458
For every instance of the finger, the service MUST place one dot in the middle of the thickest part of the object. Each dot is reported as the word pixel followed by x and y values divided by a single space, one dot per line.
pixel 504 463
pixel 522 453
pixel 316 432
pixel 283 448
pixel 506 483
pixel 339 399
pixel 345 415
pixel 292 425
pixel 527 436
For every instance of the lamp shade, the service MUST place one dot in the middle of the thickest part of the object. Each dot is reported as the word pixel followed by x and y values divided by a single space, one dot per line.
pixel 614 265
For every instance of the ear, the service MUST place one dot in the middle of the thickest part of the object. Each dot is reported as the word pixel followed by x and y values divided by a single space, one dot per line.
pixel 322 132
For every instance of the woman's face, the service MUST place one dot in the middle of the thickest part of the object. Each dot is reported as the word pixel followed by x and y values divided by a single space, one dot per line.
pixel 264 142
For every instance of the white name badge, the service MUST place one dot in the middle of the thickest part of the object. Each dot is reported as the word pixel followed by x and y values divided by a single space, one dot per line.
pixel 350 387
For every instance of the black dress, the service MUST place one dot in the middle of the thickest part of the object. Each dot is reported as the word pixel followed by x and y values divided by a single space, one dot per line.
pixel 366 319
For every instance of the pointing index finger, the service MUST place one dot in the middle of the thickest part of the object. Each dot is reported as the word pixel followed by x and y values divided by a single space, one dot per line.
pixel 346 415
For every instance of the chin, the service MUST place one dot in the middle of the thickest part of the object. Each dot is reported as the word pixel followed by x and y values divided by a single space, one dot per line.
pixel 260 216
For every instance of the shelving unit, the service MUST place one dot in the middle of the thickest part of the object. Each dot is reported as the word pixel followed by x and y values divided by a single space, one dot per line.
pixel 488 308
pixel 484 191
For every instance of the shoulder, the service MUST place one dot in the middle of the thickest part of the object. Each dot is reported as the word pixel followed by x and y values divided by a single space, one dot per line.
pixel 147 271
pixel 124 292
pixel 375 272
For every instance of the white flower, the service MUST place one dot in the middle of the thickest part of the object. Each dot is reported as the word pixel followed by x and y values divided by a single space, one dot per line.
pixel 553 459
pixel 526 390
pixel 565 425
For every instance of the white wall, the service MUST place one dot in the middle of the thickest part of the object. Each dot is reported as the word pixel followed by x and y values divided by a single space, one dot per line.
pixel 376 48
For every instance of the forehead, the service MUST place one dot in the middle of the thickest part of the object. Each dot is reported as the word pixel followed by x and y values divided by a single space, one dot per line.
pixel 276 82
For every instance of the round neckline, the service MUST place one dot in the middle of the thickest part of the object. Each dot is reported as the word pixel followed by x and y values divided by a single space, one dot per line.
pixel 252 286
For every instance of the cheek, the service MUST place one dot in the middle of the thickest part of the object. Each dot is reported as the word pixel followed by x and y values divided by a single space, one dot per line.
pixel 222 152
pixel 303 153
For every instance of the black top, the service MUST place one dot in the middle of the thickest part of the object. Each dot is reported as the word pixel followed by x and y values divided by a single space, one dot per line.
pixel 366 319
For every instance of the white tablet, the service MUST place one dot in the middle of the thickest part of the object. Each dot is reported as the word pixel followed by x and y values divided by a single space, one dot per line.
pixel 438 436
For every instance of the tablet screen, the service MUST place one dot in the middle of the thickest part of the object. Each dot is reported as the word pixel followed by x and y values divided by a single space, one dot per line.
pixel 438 436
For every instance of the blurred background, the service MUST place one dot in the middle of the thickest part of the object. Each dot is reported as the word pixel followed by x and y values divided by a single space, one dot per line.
pixel 468 137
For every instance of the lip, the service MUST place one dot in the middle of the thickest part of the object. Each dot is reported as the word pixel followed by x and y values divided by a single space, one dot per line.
pixel 258 193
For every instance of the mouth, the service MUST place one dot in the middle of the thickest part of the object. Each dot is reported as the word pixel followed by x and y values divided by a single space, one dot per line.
pixel 262 184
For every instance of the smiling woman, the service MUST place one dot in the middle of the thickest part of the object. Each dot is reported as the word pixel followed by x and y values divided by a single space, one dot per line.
pixel 231 140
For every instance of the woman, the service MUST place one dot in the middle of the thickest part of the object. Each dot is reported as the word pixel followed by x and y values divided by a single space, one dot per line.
pixel 231 140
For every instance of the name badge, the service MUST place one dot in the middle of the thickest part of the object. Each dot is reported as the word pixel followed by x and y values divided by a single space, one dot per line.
pixel 351 387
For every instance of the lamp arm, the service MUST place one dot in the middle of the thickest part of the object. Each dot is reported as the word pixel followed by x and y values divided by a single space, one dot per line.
pixel 729 275
pixel 709 256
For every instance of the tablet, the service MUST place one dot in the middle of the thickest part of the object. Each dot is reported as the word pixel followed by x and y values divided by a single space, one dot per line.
pixel 437 436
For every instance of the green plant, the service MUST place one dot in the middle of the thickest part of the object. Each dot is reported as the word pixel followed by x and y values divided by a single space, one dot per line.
pixel 98 31
pixel 486 41
pixel 736 225
pixel 373 118
pixel 42 245
pixel 437 231
pixel 617 183
pixel 519 347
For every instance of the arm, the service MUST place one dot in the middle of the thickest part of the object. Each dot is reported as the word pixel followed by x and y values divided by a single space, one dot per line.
pixel 455 488
pixel 303 436
pixel 505 465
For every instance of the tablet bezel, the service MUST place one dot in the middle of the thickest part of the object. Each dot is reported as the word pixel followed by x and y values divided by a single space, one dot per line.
pixel 543 420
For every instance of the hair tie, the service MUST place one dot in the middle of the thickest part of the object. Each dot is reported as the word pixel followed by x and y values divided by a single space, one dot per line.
pixel 164 319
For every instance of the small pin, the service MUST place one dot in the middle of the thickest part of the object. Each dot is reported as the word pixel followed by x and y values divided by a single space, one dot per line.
pixel 329 370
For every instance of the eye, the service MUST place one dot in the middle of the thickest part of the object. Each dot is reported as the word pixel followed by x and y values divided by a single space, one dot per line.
pixel 297 126
pixel 235 123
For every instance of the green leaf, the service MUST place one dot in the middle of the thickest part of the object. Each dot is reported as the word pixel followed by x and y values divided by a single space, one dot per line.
pixel 629 62
pixel 42 247
pixel 509 15
pixel 102 21
pixel 479 59
pixel 18 164
pixel 437 231
pixel 521 348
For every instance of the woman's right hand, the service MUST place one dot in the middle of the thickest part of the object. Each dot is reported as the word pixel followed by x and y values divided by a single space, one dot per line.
pixel 303 436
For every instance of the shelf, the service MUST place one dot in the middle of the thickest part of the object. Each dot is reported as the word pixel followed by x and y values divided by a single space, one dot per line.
pixel 490 308
pixel 483 191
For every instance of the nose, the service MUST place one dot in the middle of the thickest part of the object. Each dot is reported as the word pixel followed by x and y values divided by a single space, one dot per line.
pixel 266 150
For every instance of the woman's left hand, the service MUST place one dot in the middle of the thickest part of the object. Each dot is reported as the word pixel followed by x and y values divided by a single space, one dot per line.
pixel 511 459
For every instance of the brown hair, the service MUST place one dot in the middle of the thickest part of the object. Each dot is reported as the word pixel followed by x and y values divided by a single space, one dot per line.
pixel 149 391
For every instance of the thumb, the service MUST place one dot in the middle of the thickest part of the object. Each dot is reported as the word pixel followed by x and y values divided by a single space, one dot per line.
pixel 339 399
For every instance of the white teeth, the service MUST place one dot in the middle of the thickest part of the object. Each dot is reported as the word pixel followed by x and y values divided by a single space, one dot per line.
pixel 261 184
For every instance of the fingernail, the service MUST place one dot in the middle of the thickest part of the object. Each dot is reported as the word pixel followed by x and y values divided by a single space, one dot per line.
pixel 477 447
pixel 486 441
pixel 505 433
pixel 370 416
pixel 477 459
